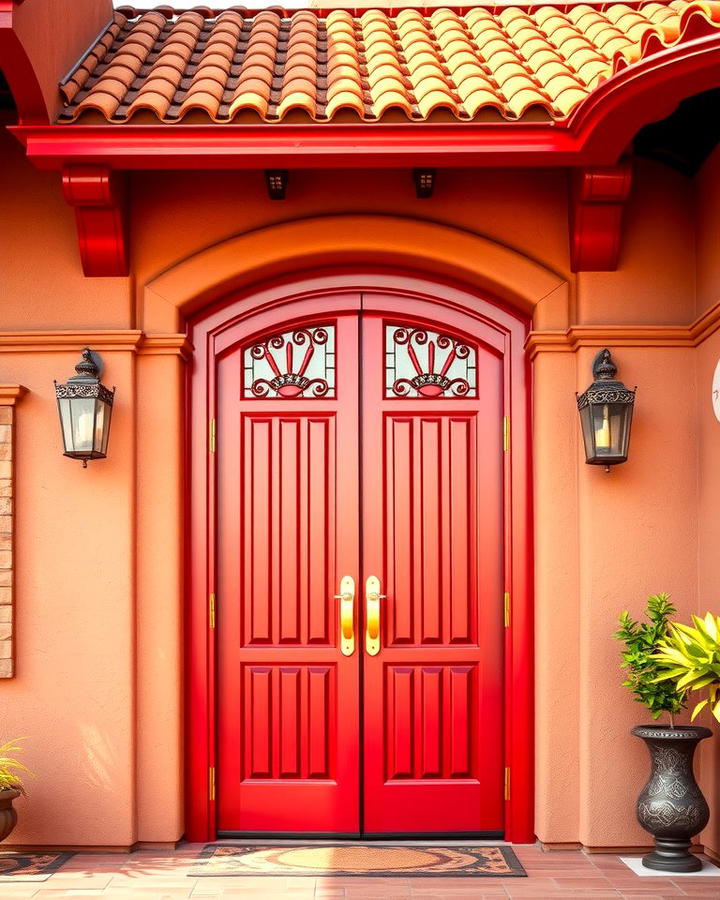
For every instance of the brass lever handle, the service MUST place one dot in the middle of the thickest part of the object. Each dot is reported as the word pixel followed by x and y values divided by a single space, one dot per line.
pixel 372 608
pixel 347 614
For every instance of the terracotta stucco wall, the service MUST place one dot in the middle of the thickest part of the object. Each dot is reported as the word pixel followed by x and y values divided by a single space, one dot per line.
pixel 99 552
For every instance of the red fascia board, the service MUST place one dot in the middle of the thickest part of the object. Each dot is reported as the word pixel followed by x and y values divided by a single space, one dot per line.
pixel 311 146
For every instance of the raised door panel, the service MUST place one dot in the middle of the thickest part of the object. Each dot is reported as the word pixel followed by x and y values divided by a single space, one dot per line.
pixel 432 495
pixel 288 725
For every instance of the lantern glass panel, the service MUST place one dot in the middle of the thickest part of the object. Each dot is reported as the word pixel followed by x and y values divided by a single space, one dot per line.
pixel 102 426
pixel 66 421
pixel 606 429
pixel 82 411
pixel 588 432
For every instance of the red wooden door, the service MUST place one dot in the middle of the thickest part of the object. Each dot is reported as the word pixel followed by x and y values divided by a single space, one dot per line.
pixel 316 471
pixel 432 534
pixel 288 513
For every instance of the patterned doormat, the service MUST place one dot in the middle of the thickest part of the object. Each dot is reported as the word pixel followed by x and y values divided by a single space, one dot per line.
pixel 356 859
pixel 30 866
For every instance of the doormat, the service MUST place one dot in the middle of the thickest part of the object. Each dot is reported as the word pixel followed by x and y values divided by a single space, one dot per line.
pixel 356 859
pixel 30 866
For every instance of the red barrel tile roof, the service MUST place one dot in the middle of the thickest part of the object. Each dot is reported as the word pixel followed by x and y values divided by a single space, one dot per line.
pixel 269 66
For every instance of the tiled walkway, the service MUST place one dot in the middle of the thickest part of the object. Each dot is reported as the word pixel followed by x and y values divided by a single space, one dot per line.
pixel 159 875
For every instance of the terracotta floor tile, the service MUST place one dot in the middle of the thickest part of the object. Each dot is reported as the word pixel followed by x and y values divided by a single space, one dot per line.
pixel 468 893
pixel 162 875
pixel 76 881
pixel 19 891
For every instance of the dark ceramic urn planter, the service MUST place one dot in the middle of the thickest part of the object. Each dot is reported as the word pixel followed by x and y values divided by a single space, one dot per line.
pixel 8 816
pixel 671 806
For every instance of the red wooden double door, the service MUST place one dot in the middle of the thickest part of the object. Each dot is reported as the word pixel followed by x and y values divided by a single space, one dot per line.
pixel 360 573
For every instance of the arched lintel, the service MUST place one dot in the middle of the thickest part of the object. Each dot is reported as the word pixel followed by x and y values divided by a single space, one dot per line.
pixel 644 92
pixel 484 265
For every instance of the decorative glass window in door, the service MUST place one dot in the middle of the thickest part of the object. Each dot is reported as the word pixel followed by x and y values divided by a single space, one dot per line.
pixel 424 363
pixel 296 363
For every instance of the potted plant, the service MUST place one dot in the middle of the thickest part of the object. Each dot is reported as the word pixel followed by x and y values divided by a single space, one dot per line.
pixel 670 806
pixel 11 785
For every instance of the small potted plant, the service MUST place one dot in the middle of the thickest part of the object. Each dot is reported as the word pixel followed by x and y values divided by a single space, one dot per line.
pixel 671 806
pixel 11 785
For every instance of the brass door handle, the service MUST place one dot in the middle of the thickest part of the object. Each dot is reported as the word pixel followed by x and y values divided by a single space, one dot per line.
pixel 347 614
pixel 372 618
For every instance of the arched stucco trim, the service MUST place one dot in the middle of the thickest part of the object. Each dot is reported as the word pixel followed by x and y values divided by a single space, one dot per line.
pixel 429 247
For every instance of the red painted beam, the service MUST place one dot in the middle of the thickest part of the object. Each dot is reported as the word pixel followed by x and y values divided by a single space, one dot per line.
pixel 597 199
pixel 98 197
pixel 312 145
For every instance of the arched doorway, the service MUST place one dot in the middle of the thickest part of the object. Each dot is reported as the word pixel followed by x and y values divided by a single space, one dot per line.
pixel 353 668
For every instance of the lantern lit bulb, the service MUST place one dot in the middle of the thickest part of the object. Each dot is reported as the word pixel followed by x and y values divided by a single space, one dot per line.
pixel 84 433
pixel 602 434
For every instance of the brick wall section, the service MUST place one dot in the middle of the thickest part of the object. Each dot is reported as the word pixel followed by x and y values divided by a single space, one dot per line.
pixel 9 395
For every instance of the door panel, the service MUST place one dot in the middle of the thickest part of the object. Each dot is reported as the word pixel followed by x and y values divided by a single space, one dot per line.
pixel 432 494
pixel 289 744
pixel 296 510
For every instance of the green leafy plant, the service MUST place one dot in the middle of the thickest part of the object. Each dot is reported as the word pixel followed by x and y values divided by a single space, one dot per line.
pixel 690 658
pixel 11 768
pixel 642 641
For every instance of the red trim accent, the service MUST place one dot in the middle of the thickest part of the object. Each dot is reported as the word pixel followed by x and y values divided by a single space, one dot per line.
pixel 206 333
pixel 19 72
pixel 596 207
pixel 97 194
pixel 308 146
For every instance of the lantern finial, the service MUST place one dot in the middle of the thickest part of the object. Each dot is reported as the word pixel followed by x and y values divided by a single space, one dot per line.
pixel 87 365
pixel 604 369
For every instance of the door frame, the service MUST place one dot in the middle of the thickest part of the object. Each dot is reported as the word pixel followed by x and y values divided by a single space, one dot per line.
pixel 205 331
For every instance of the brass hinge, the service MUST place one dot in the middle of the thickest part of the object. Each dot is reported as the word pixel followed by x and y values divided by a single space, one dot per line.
pixel 506 609
pixel 211 782
pixel 507 782
pixel 213 430
pixel 212 610
pixel 506 433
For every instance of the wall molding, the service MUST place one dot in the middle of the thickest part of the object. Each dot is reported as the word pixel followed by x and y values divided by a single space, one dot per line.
pixel 128 341
pixel 166 345
pixel 679 336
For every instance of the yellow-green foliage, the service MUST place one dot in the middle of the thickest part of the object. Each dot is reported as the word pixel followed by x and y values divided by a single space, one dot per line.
pixel 10 768
pixel 691 657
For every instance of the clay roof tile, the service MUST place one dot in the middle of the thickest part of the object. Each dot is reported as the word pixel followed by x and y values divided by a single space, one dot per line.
pixel 508 59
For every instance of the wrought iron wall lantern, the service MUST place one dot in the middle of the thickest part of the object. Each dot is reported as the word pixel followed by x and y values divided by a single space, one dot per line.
pixel 85 407
pixel 606 410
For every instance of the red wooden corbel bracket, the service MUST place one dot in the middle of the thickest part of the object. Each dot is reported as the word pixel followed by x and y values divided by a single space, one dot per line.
pixel 98 196
pixel 596 208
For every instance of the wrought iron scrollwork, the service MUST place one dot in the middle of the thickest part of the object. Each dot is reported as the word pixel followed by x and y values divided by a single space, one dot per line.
pixel 443 365
pixel 274 369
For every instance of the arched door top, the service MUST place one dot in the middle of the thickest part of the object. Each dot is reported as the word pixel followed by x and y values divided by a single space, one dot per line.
pixel 437 250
